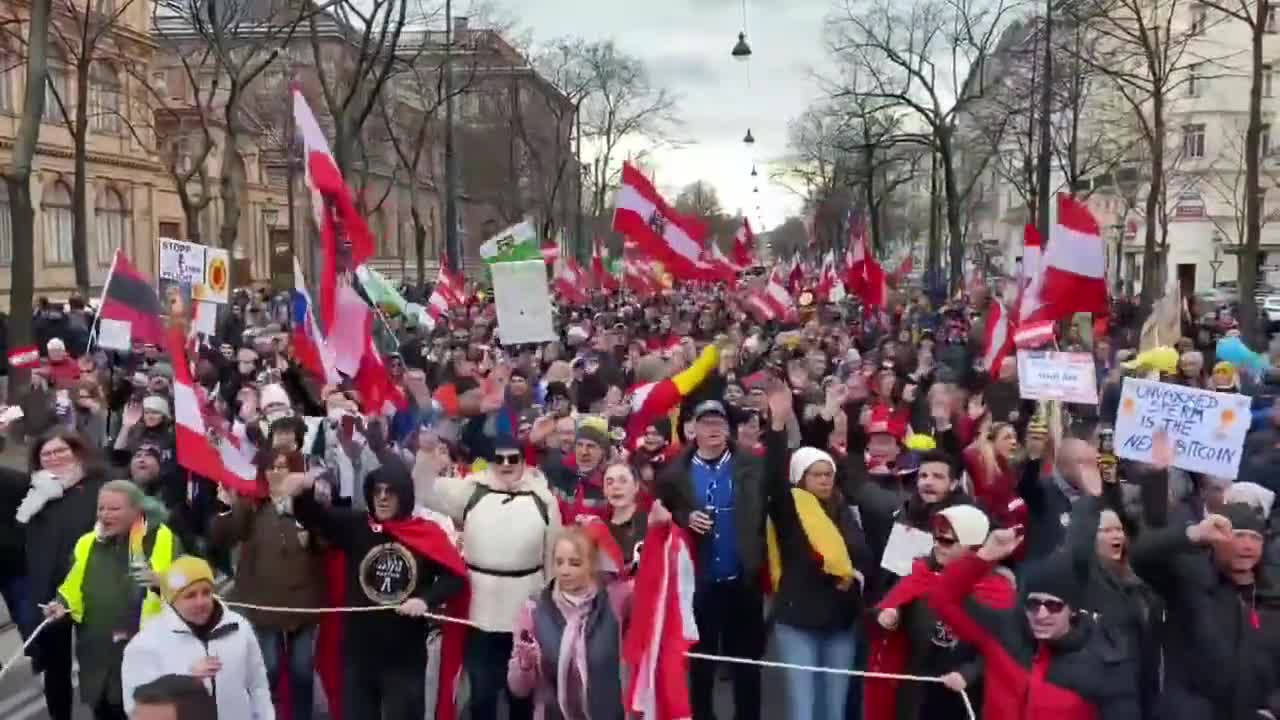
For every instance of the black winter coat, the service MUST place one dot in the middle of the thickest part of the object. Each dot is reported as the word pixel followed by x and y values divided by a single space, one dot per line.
pixel 1221 643
pixel 807 597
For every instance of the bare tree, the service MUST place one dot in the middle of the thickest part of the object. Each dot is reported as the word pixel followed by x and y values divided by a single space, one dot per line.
pixel 926 59
pixel 17 178
pixel 1145 52
pixel 700 200
pixel 623 104
pixel 1225 181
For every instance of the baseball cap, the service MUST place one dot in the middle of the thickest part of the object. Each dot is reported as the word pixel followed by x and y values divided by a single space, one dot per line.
pixel 709 407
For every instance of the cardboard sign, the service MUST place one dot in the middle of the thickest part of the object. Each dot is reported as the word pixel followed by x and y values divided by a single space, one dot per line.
pixel 1207 428
pixel 115 334
pixel 522 302
pixel 194 272
pixel 904 546
pixel 1052 375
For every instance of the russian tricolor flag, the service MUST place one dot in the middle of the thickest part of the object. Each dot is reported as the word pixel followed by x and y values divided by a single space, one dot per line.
pixel 309 346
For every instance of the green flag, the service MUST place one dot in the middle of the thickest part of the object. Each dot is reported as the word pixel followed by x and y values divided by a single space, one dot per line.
pixel 517 243
pixel 381 291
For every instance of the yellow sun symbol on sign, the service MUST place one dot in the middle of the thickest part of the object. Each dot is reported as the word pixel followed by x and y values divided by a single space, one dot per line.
pixel 218 275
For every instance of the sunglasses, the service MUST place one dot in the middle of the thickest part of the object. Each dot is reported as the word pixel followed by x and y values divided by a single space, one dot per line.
pixel 1052 605
pixel 506 458
pixel 942 541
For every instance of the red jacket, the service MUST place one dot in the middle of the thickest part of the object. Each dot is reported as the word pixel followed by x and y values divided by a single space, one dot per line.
pixel 1026 679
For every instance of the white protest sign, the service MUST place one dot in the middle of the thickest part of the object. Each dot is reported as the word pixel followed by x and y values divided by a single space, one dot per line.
pixel 206 318
pixel 198 272
pixel 904 546
pixel 215 285
pixel 522 302
pixel 115 334
pixel 1207 428
pixel 1052 375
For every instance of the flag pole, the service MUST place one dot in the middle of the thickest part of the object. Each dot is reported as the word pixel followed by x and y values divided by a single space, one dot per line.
pixel 97 316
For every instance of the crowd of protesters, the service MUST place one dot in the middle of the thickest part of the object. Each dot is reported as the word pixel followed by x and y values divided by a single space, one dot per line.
pixel 863 494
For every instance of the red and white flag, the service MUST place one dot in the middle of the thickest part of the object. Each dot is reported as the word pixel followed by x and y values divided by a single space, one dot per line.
pixel 309 346
pixel 601 278
pixel 571 283
pixel 772 301
pixel 334 207
pixel 379 395
pixel 999 341
pixel 639 277
pixel 352 324
pixel 660 232
pixel 662 627
pixel 446 294
pixel 550 251
pixel 1031 278
pixel 744 246
pixel 217 456
pixel 826 278
pixel 1034 334
pixel 1074 265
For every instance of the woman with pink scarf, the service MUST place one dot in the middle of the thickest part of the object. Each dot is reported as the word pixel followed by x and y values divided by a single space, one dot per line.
pixel 568 649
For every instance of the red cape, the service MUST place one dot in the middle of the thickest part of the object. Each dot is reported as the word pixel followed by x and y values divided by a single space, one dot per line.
pixel 890 651
pixel 429 540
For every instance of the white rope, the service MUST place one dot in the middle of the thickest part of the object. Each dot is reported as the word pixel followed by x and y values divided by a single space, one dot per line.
pixel 968 706
pixel 12 660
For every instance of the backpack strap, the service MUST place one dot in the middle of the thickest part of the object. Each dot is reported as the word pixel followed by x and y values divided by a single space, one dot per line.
pixel 482 490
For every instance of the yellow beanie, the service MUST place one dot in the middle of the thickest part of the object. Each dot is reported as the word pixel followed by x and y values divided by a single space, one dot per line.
pixel 182 574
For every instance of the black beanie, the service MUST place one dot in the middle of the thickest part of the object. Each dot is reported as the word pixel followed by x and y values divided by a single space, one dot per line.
pixel 395 475
pixel 1244 517
pixel 1053 576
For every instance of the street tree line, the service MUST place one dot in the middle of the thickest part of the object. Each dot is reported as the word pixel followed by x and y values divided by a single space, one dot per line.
pixel 213 106
pixel 951 103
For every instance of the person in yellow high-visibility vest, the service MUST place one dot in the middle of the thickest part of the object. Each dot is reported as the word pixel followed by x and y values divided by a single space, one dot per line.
pixel 110 589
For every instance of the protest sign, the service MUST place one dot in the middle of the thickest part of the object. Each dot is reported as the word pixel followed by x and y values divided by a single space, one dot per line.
pixel 1207 428
pixel 115 334
pixel 522 302
pixel 194 272
pixel 1051 375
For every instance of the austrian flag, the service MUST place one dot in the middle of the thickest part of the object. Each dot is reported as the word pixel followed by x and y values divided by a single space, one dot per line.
pixel 663 234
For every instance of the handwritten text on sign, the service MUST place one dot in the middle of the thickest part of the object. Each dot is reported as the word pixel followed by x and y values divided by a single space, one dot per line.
pixel 1050 375
pixel 1207 428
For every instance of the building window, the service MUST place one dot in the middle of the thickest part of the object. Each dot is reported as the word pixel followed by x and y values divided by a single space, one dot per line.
pixel 111 225
pixel 1270 25
pixel 1199 17
pixel 104 99
pixel 57 86
pixel 1194 81
pixel 6 227
pixel 8 61
pixel 1193 141
pixel 58 224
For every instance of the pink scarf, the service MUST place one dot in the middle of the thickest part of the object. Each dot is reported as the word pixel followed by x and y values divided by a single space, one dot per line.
pixel 571 663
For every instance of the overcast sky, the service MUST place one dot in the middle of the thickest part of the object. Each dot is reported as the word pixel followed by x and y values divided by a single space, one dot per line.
pixel 686 45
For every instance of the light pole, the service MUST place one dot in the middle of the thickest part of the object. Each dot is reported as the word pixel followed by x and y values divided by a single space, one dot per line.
pixel 1216 263
pixel 453 252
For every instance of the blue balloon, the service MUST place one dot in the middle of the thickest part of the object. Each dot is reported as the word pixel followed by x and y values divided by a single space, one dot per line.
pixel 1234 351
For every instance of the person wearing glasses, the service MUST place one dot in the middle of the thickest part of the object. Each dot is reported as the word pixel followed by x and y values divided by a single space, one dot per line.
pixel 509 520
pixel 1046 660
pixel 910 639
pixel 59 506
pixel 718 493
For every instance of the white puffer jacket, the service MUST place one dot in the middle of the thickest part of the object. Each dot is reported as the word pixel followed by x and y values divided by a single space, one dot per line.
pixel 166 646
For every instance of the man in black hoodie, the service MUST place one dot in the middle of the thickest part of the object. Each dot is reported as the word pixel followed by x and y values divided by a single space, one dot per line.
pixel 389 562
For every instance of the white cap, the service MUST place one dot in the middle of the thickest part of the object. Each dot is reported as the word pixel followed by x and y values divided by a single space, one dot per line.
pixel 56 344
pixel 970 524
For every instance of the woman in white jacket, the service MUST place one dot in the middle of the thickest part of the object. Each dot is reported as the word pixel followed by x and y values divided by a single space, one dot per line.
pixel 197 635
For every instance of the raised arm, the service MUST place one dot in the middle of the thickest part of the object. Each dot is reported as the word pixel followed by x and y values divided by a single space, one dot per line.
pixel 979 625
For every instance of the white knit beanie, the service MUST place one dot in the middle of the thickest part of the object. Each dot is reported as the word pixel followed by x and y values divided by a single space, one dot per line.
pixel 803 459
pixel 970 524
pixel 156 404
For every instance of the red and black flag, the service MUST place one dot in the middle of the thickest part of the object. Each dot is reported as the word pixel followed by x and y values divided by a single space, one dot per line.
pixel 129 296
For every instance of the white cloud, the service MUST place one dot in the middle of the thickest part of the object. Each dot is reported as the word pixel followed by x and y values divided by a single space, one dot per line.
pixel 686 44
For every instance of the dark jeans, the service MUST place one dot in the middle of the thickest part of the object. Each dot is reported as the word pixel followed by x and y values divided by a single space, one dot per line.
pixel 14 590
pixel 730 617
pixel 54 656
pixel 108 711
pixel 487 658
pixel 300 647
pixel 394 690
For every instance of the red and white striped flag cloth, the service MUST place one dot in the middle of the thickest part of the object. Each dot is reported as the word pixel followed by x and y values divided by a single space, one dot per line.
pixel 1034 334
pixel 744 246
pixel 550 251
pixel 216 456
pixel 662 627
pixel 571 282
pixel 641 213
pixel 446 294
pixel 772 301
pixel 639 277
pixel 1032 276
pixel 999 338
pixel 1074 265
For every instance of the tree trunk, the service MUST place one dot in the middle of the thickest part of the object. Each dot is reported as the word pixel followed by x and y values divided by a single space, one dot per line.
pixel 191 212
pixel 956 242
pixel 419 244
pixel 232 183
pixel 1251 325
pixel 80 183
pixel 18 182
pixel 1151 280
